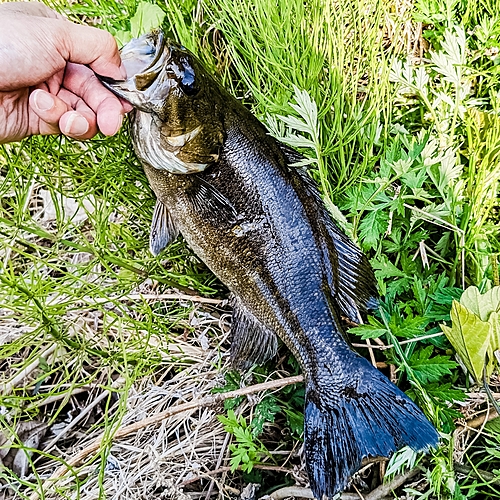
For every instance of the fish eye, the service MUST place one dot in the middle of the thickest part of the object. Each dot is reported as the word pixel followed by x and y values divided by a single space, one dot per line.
pixel 187 82
pixel 188 86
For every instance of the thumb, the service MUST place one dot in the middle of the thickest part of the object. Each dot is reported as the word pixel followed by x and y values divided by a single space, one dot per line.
pixel 93 47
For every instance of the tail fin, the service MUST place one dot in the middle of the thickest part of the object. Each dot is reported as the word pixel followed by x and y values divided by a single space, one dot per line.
pixel 345 424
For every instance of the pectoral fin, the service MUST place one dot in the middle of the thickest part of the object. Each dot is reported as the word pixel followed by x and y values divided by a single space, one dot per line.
pixel 210 203
pixel 163 229
pixel 252 342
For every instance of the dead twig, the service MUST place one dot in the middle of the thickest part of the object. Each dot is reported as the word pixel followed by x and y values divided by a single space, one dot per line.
pixel 218 464
pixel 483 475
pixel 386 489
pixel 220 470
pixel 8 387
pixel 299 492
pixel 480 420
pixel 292 491
pixel 377 494
pixel 152 296
pixel 207 401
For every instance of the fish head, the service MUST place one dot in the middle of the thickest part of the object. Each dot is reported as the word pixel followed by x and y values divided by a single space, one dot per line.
pixel 178 124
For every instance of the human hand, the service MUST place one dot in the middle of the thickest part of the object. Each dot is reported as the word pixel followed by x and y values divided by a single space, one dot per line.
pixel 47 80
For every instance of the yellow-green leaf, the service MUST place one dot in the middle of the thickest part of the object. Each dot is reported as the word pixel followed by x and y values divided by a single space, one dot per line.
pixel 494 321
pixel 470 336
pixel 481 305
pixel 123 37
pixel 146 17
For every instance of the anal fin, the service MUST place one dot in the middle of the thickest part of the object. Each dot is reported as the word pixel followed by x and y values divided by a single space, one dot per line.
pixel 163 229
pixel 252 342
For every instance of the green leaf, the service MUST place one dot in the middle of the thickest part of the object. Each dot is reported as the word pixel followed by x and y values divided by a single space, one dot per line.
pixel 373 330
pixel 493 426
pixel 386 269
pixel 428 369
pixel 494 321
pixel 147 17
pixel 481 305
pixel 470 337
pixel 295 421
pixel 123 37
pixel 372 227
pixel 444 392
pixel 409 327
pixel 265 411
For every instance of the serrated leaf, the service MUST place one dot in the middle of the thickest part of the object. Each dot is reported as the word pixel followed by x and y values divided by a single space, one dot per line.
pixel 421 79
pixel 386 269
pixel 295 421
pixel 428 369
pixel 470 337
pixel 493 426
pixel 265 411
pixel 295 123
pixel 147 17
pixel 368 331
pixel 409 327
pixel 372 226
pixel 444 392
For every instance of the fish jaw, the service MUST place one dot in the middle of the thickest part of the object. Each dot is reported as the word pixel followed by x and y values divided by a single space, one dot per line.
pixel 177 124
pixel 169 158
pixel 143 59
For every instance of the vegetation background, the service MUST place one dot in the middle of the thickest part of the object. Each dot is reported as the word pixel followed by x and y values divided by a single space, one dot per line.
pixel 396 106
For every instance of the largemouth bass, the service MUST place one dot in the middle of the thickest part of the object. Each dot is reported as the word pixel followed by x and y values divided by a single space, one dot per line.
pixel 260 225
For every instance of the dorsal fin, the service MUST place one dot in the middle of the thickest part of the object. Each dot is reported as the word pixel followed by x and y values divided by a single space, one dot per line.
pixel 252 342
pixel 350 274
pixel 163 229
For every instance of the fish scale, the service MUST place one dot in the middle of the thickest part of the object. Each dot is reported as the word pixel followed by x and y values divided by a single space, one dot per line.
pixel 259 224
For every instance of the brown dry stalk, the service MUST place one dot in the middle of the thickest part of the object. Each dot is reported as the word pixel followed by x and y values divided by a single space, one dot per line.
pixel 386 489
pixel 377 494
pixel 479 421
pixel 153 297
pixel 207 401
pixel 21 376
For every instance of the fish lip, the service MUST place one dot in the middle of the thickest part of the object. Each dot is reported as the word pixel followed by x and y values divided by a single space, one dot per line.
pixel 134 95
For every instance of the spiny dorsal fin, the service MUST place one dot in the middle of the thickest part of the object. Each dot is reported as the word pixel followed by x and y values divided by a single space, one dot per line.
pixel 252 343
pixel 352 278
pixel 163 229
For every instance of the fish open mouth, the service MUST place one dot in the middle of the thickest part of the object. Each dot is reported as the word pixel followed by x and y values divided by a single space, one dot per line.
pixel 144 59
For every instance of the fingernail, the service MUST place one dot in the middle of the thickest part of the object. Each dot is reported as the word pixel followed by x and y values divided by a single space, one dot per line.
pixel 43 100
pixel 123 71
pixel 118 124
pixel 76 125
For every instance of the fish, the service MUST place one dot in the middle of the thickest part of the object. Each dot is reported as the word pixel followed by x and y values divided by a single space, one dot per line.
pixel 258 222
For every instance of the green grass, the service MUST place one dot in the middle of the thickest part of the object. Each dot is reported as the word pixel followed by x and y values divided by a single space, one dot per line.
pixel 406 152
